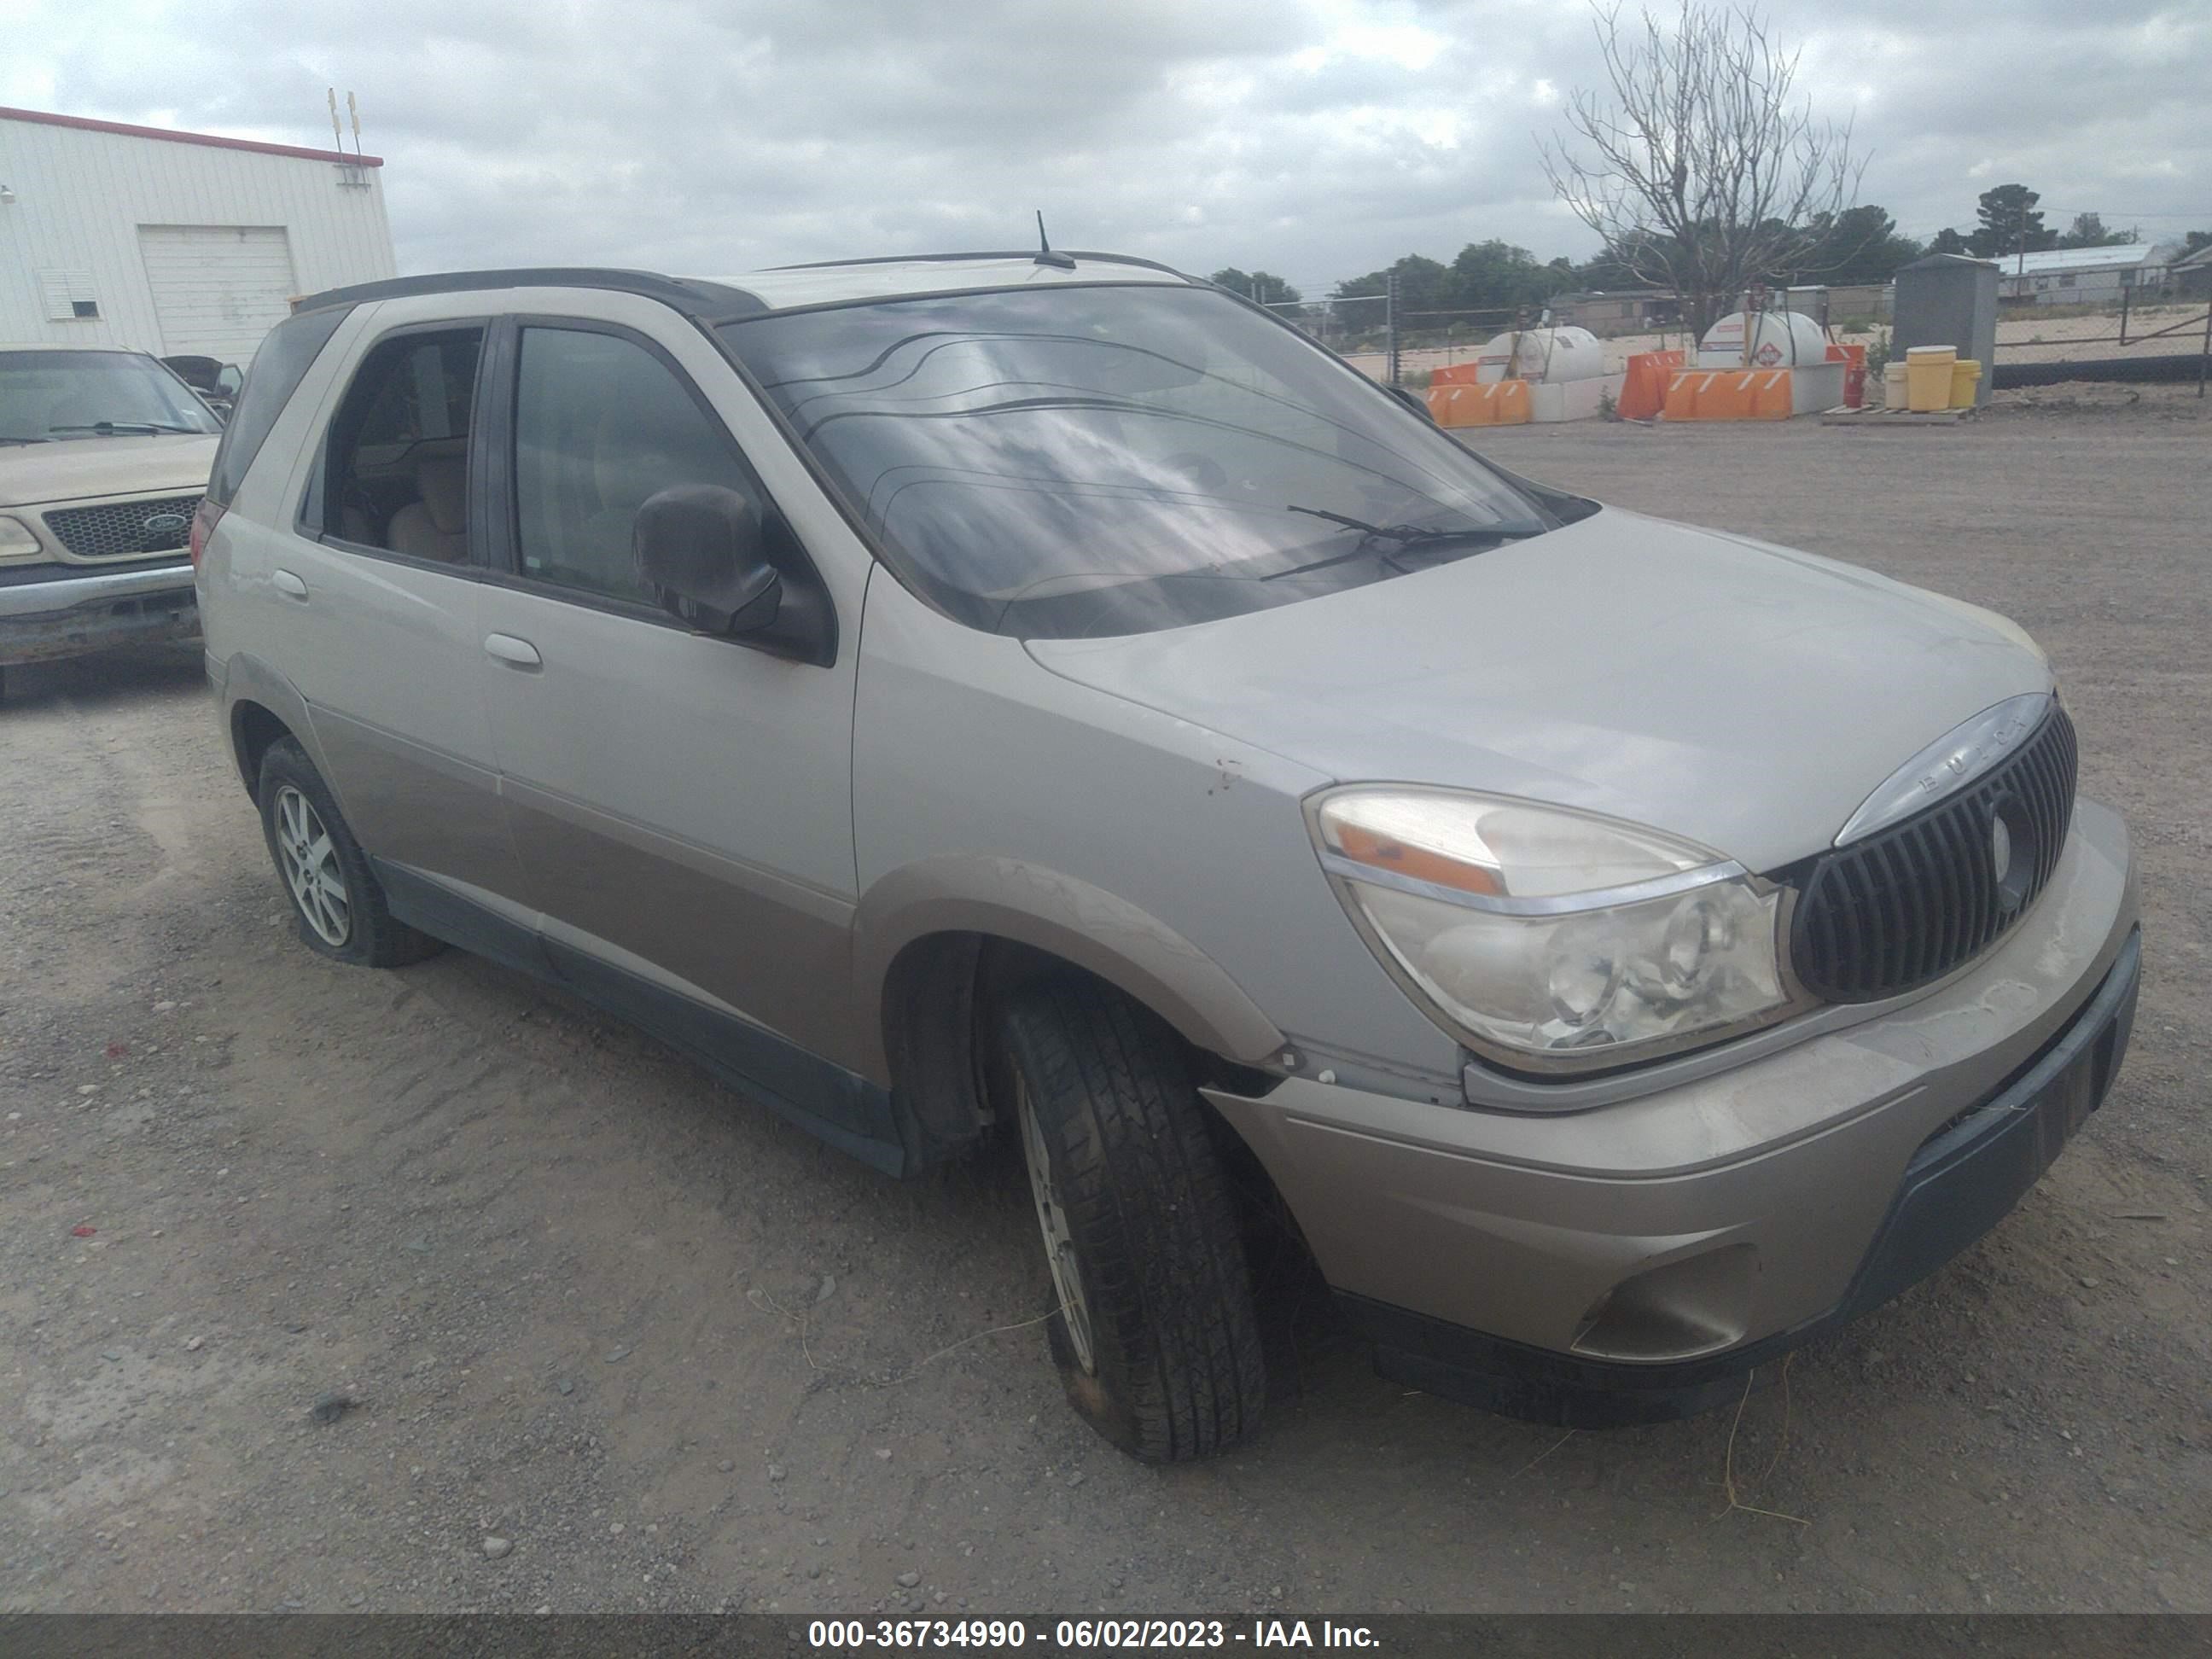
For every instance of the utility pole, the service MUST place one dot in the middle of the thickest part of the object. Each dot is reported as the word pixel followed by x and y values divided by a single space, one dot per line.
pixel 2204 362
pixel 1390 324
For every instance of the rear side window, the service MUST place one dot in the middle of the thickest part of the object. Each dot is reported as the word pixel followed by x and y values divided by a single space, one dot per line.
pixel 278 367
pixel 395 472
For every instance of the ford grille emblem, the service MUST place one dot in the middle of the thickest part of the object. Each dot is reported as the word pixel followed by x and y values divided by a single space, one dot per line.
pixel 165 524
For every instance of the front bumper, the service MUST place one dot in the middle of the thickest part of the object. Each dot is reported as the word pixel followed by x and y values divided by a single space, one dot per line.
pixel 1625 1263
pixel 71 614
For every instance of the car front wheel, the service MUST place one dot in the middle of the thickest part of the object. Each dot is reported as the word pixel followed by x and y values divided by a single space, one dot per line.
pixel 1156 1336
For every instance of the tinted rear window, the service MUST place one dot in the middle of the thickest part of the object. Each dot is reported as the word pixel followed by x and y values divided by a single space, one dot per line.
pixel 277 369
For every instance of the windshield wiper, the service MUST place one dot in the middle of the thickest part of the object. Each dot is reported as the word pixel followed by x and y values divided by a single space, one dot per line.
pixel 105 428
pixel 1396 533
pixel 11 438
pixel 1406 535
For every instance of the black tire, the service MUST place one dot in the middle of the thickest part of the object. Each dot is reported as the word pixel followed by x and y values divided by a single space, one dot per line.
pixel 372 937
pixel 1175 1369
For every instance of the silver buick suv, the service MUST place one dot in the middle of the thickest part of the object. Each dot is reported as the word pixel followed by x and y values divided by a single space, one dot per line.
pixel 1049 698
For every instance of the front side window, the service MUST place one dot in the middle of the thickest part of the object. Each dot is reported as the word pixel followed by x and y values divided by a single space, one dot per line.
pixel 396 471
pixel 601 424
pixel 48 397
pixel 1076 460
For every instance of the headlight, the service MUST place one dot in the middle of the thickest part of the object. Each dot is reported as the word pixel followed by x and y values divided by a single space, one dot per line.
pixel 1552 939
pixel 18 542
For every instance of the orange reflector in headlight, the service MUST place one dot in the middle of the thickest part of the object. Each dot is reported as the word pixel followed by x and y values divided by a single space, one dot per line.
pixel 1363 845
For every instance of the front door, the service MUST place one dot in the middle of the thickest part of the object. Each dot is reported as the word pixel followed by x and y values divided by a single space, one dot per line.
pixel 681 804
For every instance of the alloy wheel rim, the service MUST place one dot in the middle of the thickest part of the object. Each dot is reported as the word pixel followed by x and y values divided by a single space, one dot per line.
pixel 310 862
pixel 1058 1241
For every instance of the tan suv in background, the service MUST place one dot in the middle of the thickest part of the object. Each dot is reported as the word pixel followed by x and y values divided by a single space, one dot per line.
pixel 104 457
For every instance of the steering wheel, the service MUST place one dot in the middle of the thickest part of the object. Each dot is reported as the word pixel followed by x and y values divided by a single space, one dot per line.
pixel 1204 472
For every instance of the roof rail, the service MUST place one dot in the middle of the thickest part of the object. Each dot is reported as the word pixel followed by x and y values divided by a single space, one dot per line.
pixel 1026 253
pixel 710 301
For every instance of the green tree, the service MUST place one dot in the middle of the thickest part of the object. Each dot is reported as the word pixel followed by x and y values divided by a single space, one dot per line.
pixel 1859 245
pixel 1497 276
pixel 2088 230
pixel 1422 285
pixel 2195 240
pixel 1261 287
pixel 2010 224
pixel 1948 240
pixel 1620 266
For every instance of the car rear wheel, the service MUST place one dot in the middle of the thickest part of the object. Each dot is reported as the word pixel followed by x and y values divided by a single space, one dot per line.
pixel 1156 1336
pixel 335 896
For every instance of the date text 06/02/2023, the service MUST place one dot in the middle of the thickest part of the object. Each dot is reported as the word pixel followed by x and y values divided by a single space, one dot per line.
pixel 989 1635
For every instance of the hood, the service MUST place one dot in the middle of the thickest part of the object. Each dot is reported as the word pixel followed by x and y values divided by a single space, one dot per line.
pixel 71 469
pixel 1744 696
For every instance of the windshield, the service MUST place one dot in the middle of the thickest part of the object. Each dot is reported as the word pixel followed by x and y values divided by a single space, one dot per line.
pixel 1066 461
pixel 50 395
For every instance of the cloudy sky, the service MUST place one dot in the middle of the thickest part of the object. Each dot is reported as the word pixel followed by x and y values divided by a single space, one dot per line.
pixel 1314 138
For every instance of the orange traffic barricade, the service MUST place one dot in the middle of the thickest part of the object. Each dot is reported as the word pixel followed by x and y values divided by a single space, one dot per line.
pixel 1682 387
pixel 1502 403
pixel 1756 394
pixel 1643 392
pixel 1455 375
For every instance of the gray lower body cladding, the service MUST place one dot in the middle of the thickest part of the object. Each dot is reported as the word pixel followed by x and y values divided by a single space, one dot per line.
pixel 1961 1182
pixel 1653 1242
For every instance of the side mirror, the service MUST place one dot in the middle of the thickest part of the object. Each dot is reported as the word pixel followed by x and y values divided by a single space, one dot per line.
pixel 700 551
pixel 227 380
pixel 1406 394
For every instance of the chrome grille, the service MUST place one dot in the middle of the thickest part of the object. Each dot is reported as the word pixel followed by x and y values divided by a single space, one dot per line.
pixel 1906 906
pixel 122 529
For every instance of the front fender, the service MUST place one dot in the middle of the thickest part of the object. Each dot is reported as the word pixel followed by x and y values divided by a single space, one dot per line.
pixel 1084 925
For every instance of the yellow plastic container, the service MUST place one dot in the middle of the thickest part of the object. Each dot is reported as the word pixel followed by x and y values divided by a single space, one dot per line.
pixel 1927 377
pixel 1965 379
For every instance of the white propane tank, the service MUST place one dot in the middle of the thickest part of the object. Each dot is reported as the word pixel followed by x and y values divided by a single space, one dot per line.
pixel 1543 355
pixel 1781 339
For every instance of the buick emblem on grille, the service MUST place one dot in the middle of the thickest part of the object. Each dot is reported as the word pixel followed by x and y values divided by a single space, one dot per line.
pixel 1924 895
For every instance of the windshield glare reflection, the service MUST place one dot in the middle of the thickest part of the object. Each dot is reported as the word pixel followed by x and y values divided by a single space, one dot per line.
pixel 1073 461
pixel 67 394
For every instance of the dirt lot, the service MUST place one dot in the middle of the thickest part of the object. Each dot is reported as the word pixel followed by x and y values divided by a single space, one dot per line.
pixel 678 1355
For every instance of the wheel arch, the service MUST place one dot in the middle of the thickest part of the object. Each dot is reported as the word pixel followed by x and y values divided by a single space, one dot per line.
pixel 933 939
pixel 259 706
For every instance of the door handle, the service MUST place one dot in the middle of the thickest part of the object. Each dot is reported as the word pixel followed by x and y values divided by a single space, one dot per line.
pixel 288 584
pixel 516 653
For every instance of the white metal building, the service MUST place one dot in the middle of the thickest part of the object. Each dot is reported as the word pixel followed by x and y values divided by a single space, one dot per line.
pixel 175 242
pixel 2083 276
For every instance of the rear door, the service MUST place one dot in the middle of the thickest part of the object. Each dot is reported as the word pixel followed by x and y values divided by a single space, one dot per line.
pixel 682 803
pixel 372 587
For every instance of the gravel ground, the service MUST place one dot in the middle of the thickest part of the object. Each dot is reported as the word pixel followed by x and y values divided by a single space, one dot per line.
pixel 673 1355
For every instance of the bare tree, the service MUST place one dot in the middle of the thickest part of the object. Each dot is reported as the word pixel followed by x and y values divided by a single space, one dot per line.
pixel 1700 167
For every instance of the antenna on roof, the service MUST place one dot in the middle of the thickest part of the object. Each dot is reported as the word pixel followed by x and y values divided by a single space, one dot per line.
pixel 353 112
pixel 1045 255
pixel 338 138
